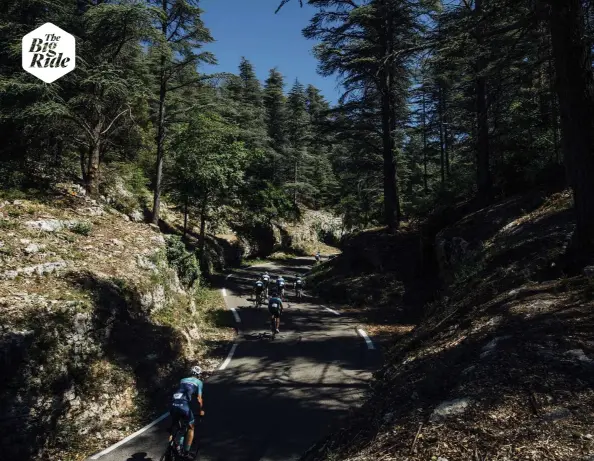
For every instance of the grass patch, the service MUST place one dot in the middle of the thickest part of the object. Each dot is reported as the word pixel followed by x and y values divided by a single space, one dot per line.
pixel 254 262
pixel 82 228
pixel 7 224
pixel 281 256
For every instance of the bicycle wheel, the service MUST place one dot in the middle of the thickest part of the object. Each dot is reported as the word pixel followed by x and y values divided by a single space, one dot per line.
pixel 170 453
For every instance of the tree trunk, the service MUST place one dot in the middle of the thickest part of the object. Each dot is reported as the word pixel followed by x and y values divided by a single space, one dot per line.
pixel 391 205
pixel 92 181
pixel 554 113
pixel 160 153
pixel 202 237
pixel 425 186
pixel 575 87
pixel 185 217
pixel 441 140
pixel 447 134
pixel 161 127
pixel 83 163
pixel 483 173
pixel 295 178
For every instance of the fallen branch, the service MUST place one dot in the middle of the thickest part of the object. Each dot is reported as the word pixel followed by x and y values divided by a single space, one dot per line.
pixel 412 447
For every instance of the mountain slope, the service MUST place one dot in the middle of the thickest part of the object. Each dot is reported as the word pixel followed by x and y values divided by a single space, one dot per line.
pixel 96 325
pixel 500 365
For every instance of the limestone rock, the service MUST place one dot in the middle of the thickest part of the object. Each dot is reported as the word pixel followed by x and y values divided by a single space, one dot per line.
pixel 450 408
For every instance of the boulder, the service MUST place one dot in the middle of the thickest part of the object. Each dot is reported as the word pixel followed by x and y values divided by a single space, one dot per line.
pixel 136 216
pixel 450 408
pixel 34 248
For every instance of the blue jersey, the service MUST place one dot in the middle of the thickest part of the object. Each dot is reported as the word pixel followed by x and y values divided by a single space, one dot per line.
pixel 275 303
pixel 188 387
pixel 280 282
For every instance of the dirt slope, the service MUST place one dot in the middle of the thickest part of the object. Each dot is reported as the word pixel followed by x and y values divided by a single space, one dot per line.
pixel 500 367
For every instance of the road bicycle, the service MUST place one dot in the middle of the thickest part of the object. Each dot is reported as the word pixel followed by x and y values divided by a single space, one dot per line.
pixel 175 447
pixel 299 294
pixel 258 300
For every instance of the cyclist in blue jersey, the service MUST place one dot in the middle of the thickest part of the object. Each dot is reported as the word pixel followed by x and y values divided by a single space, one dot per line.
pixel 275 307
pixel 258 291
pixel 299 285
pixel 180 406
pixel 280 286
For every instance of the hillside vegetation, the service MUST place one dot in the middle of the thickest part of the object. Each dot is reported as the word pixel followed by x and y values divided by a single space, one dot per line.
pixel 499 364
pixel 99 317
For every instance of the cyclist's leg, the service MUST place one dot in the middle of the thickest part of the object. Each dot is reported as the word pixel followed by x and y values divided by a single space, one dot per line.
pixel 190 433
pixel 174 419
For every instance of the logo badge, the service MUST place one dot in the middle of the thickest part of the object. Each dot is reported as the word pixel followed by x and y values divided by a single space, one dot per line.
pixel 49 52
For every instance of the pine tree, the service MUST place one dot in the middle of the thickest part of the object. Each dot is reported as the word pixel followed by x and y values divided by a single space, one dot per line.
pixel 175 56
pixel 575 87
pixel 299 135
pixel 276 123
pixel 368 46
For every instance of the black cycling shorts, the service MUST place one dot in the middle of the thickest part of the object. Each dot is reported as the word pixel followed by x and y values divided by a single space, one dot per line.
pixel 274 311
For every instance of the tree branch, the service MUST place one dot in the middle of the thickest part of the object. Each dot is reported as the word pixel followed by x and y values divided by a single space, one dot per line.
pixel 116 117
pixel 284 2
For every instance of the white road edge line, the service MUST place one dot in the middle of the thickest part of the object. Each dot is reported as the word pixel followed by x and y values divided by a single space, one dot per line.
pixel 332 310
pixel 236 315
pixel 130 437
pixel 162 417
pixel 229 357
pixel 366 338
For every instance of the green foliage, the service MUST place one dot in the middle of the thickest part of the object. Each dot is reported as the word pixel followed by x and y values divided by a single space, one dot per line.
pixel 82 228
pixel 126 186
pixel 184 262
pixel 7 224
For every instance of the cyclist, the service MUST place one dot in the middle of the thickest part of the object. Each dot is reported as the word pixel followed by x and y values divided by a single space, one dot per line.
pixel 275 307
pixel 180 407
pixel 266 280
pixel 299 285
pixel 318 256
pixel 280 286
pixel 258 289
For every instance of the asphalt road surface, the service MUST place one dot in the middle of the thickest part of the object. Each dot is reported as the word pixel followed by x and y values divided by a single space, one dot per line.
pixel 275 398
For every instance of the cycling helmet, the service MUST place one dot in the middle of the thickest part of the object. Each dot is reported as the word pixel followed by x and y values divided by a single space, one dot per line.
pixel 196 371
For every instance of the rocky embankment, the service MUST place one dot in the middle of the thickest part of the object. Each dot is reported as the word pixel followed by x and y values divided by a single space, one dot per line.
pixel 314 230
pixel 94 324
pixel 499 364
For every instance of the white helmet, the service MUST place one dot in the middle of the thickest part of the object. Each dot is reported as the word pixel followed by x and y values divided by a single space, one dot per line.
pixel 196 370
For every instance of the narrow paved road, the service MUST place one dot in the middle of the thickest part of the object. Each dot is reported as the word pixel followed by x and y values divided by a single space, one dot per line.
pixel 275 398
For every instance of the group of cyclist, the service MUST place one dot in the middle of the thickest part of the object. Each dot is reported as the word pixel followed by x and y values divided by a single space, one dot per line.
pixel 192 386
pixel 263 287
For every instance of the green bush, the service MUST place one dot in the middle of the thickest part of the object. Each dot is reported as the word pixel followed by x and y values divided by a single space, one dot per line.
pixel 82 228
pixel 126 186
pixel 6 224
pixel 184 262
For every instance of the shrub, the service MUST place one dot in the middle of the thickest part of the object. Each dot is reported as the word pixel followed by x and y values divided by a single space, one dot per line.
pixel 82 228
pixel 6 224
pixel 184 262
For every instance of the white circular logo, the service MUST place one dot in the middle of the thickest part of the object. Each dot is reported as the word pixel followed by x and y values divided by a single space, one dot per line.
pixel 49 52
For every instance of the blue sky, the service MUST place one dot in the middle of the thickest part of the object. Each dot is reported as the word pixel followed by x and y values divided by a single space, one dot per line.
pixel 250 28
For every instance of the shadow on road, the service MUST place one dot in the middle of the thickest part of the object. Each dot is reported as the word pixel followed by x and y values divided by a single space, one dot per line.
pixel 140 457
